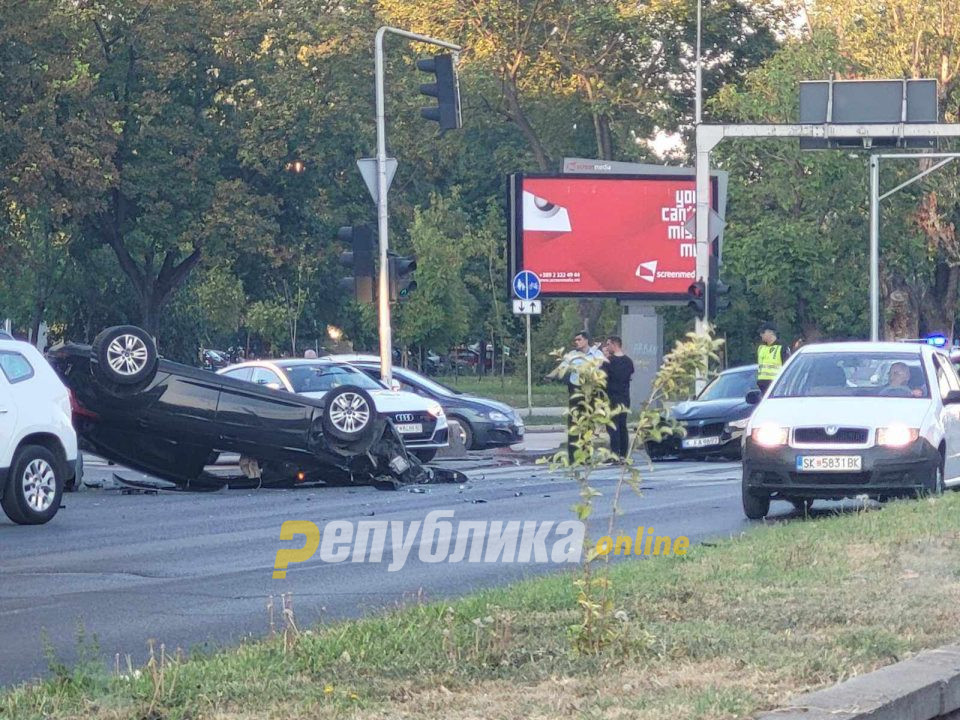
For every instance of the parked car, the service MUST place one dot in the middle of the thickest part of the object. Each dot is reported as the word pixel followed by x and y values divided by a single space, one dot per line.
pixel 714 421
pixel 421 422
pixel 850 419
pixel 170 420
pixel 213 359
pixel 38 445
pixel 486 423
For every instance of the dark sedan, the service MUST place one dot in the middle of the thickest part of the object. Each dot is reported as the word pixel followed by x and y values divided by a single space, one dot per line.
pixel 714 421
pixel 486 423
pixel 170 420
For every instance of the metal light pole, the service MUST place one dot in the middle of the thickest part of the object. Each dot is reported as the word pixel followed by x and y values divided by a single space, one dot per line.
pixel 383 301
pixel 874 248
pixel 702 188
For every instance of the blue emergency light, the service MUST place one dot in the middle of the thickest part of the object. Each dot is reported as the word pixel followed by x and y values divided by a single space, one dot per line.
pixel 936 339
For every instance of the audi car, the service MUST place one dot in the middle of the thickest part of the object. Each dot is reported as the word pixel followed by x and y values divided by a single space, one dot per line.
pixel 421 422
pixel 171 420
pixel 486 423
pixel 714 421
pixel 851 419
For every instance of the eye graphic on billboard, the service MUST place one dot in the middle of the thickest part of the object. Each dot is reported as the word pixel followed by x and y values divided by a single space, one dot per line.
pixel 623 236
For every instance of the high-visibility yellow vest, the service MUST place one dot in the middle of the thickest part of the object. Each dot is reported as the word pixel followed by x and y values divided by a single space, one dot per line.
pixel 769 361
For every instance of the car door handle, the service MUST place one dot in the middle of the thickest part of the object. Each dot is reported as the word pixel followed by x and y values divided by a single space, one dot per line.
pixel 3 410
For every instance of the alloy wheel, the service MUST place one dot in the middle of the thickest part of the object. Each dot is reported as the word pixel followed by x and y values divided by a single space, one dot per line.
pixel 39 485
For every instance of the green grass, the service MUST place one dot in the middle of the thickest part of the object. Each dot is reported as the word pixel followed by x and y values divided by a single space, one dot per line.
pixel 728 630
pixel 545 420
pixel 510 389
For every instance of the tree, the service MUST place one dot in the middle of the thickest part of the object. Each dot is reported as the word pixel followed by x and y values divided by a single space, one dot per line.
pixel 795 239
pixel 436 315
pixel 895 39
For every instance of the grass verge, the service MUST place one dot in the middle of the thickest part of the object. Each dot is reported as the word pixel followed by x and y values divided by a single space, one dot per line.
pixel 732 628
pixel 510 389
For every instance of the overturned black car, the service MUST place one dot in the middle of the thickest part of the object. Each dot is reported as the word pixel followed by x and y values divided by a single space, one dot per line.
pixel 172 421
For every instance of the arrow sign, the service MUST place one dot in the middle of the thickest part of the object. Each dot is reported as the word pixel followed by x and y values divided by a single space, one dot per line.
pixel 526 285
pixel 527 307
pixel 368 169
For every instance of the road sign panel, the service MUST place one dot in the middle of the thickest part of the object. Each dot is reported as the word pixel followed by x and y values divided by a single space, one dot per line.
pixel 368 169
pixel 527 307
pixel 526 285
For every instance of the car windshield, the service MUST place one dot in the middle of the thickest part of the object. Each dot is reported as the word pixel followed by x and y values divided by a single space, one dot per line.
pixel 843 374
pixel 730 385
pixel 431 385
pixel 324 377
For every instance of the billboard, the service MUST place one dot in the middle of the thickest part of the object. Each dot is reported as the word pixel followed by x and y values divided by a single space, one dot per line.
pixel 621 236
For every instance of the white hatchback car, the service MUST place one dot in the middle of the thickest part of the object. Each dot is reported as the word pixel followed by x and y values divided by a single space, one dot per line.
pixel 850 419
pixel 38 445
pixel 421 422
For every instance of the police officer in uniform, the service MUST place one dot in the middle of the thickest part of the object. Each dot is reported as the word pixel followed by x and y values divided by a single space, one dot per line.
pixel 771 355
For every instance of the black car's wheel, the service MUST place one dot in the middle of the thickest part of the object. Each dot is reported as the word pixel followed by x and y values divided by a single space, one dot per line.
pixel 125 355
pixel 34 488
pixel 348 414
pixel 755 505
pixel 468 434
pixel 425 455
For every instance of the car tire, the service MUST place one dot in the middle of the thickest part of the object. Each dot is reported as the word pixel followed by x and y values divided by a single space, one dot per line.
pixel 125 355
pixel 425 455
pixel 468 434
pixel 755 506
pixel 76 482
pixel 34 488
pixel 801 505
pixel 935 485
pixel 348 414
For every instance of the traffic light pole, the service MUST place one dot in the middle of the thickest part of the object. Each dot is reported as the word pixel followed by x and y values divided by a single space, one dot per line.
pixel 383 301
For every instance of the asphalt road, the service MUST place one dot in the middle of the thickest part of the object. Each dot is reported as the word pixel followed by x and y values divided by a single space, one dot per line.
pixel 195 570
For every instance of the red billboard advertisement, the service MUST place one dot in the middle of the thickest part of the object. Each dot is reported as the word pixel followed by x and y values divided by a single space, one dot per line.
pixel 622 236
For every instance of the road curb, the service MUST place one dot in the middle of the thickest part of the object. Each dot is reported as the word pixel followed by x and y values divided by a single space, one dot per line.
pixel 924 687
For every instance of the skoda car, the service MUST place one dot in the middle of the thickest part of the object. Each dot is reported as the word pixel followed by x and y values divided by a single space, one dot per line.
pixel 714 421
pixel 486 423
pixel 850 419
pixel 421 422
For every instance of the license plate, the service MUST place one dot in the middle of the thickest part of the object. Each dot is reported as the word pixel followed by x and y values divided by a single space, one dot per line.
pixel 829 463
pixel 699 442
pixel 409 428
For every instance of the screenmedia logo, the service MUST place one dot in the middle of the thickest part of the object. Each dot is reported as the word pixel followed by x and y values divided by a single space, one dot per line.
pixel 648 272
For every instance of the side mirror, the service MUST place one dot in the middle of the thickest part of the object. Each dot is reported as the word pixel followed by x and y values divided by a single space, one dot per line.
pixel 274 385
pixel 952 398
pixel 753 397
pixel 395 385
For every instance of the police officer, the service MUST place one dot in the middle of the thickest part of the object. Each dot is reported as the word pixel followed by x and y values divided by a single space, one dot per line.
pixel 771 355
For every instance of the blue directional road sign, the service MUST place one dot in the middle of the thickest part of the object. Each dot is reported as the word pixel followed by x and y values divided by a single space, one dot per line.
pixel 526 285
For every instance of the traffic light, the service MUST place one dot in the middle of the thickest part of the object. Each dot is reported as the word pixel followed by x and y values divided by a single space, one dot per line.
pixel 359 259
pixel 696 293
pixel 446 90
pixel 718 298
pixel 401 272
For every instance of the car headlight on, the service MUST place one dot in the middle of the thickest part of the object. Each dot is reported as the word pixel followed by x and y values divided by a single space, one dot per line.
pixel 435 410
pixel 896 435
pixel 740 424
pixel 497 416
pixel 770 435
